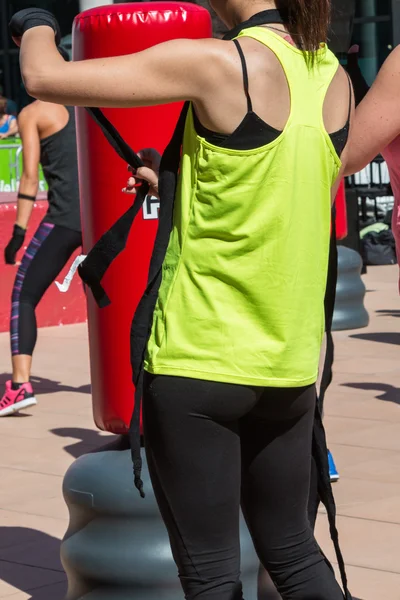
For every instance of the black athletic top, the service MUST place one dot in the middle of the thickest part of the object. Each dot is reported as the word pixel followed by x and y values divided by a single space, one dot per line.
pixel 59 160
pixel 253 132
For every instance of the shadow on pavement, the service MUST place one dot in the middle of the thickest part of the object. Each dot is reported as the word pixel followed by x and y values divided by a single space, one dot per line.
pixel 32 549
pixel 49 386
pixel 388 313
pixel 390 393
pixel 386 337
pixel 88 440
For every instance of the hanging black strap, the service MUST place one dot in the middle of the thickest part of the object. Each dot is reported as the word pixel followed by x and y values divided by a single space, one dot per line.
pixel 320 449
pixel 325 492
pixel 115 139
pixel 93 268
pixel 326 378
pixel 330 298
pixel 143 317
pixel 95 265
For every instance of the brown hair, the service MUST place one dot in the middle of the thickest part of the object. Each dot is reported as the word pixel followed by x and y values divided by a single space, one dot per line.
pixel 308 21
pixel 3 106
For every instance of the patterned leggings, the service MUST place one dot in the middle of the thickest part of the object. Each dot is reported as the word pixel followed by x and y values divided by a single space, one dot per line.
pixel 46 255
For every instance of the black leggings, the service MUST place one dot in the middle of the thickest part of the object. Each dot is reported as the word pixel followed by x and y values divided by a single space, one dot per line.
pixel 45 257
pixel 213 446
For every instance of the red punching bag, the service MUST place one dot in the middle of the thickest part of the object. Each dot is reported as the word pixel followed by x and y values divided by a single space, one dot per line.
pixel 110 31
pixel 341 212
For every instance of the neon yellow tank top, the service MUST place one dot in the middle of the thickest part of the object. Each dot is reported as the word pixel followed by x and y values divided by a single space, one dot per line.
pixel 244 277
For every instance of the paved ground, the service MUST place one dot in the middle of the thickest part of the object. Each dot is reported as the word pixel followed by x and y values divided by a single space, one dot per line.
pixel 363 423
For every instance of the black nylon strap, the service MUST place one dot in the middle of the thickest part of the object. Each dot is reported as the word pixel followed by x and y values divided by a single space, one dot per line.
pixel 320 449
pixel 115 139
pixel 330 298
pixel 320 456
pixel 111 243
pixel 143 317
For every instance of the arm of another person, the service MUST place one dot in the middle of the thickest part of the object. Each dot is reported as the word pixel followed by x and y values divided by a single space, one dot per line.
pixel 29 183
pixel 377 118
pixel 169 72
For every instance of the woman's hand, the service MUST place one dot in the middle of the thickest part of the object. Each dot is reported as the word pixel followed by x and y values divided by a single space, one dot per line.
pixel 15 244
pixel 151 159
pixel 28 18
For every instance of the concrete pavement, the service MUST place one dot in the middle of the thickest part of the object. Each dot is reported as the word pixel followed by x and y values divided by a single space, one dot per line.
pixel 363 427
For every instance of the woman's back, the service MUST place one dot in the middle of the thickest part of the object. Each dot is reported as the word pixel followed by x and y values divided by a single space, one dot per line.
pixel 245 273
pixel 224 105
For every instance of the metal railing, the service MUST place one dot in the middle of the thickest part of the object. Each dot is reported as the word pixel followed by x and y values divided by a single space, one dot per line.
pixel 14 164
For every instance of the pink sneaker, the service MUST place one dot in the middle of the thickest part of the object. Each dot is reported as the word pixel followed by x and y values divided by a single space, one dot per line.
pixel 15 400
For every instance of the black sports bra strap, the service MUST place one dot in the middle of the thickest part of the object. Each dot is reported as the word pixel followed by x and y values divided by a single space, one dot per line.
pixel 245 76
pixel 350 97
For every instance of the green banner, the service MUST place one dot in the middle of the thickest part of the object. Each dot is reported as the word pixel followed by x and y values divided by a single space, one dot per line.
pixel 11 166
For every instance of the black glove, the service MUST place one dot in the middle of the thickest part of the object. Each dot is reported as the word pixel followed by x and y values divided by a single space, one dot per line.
pixel 14 244
pixel 33 17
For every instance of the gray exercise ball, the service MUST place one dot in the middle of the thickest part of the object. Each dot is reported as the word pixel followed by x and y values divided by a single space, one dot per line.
pixel 350 312
pixel 116 546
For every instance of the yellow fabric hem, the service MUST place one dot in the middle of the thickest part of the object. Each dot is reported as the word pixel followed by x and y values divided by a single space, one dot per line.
pixel 229 378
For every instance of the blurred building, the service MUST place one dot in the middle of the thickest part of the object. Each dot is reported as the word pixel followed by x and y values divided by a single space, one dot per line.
pixel 64 10
pixel 373 24
pixel 377 31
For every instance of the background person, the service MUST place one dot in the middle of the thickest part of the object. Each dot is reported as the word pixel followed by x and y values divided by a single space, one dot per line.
pixel 48 137
pixel 8 123
pixel 376 130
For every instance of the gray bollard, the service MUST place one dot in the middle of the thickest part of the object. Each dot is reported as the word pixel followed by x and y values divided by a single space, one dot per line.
pixel 116 546
pixel 350 312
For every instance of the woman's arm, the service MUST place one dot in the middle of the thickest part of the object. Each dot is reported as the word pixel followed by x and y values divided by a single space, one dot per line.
pixel 377 118
pixel 29 183
pixel 172 71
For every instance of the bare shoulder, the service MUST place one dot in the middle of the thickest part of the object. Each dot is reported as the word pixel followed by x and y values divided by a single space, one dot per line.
pixel 215 62
pixel 341 84
pixel 29 112
pixel 203 55
pixel 201 48
pixel 200 64
pixel 49 109
pixel 341 74
pixel 39 109
pixel 50 118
